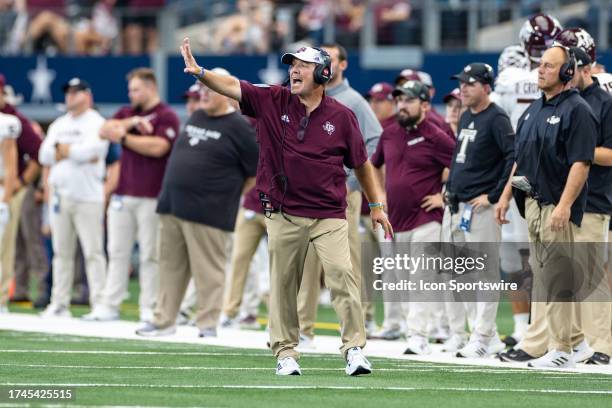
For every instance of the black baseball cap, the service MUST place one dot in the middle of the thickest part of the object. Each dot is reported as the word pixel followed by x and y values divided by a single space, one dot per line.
pixel 476 72
pixel 78 84
pixel 413 89
pixel 582 58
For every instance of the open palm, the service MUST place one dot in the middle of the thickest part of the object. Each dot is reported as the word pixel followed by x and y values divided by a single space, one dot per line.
pixel 191 67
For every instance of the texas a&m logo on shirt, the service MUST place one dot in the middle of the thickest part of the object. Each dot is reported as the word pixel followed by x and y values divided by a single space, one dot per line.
pixel 329 128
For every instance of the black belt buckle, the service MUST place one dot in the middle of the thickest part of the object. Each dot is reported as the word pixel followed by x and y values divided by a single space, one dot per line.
pixel 266 203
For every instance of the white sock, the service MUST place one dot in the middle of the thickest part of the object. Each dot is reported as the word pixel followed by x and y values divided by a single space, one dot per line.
pixel 521 321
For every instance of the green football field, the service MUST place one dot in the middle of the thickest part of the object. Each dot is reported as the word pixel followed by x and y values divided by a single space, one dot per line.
pixel 143 373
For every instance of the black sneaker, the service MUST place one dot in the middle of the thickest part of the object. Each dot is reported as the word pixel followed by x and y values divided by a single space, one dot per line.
pixel 510 341
pixel 515 355
pixel 599 359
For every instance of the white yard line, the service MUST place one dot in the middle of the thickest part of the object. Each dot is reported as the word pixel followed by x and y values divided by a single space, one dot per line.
pixel 255 340
pixel 309 387
pixel 546 374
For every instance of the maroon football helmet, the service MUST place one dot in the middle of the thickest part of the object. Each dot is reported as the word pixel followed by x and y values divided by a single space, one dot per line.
pixel 577 37
pixel 538 33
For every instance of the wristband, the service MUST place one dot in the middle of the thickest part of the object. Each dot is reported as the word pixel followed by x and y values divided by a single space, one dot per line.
pixel 199 76
pixel 375 205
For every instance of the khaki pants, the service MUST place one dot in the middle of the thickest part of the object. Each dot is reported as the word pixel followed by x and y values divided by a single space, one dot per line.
pixel 30 257
pixel 592 319
pixel 72 220
pixel 288 244
pixel 188 249
pixel 130 219
pixel 419 314
pixel 310 288
pixel 7 246
pixel 551 322
pixel 250 228
pixel 481 316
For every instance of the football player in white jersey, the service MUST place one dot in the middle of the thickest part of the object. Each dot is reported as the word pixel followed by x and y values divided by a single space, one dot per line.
pixel 10 129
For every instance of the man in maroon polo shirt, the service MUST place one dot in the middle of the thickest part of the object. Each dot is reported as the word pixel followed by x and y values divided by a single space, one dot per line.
pixel 415 153
pixel 146 130
pixel 305 138
pixel 28 143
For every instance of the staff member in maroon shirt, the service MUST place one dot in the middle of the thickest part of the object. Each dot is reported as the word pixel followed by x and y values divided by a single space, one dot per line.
pixel 146 130
pixel 415 153
pixel 28 143
pixel 305 138
pixel 381 101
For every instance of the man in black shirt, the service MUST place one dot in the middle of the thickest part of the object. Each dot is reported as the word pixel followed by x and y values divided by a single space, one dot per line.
pixel 556 139
pixel 593 317
pixel 211 163
pixel 479 170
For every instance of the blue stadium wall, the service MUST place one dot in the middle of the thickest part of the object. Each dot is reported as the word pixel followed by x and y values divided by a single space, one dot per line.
pixel 107 74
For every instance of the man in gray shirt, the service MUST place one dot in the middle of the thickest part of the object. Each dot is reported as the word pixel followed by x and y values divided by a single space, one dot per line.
pixel 338 88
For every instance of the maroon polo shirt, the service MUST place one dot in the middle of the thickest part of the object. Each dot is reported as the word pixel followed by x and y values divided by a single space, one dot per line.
pixel 141 176
pixel 28 141
pixel 414 161
pixel 316 181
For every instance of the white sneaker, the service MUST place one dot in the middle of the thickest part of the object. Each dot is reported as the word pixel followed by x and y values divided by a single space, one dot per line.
pixel 306 343
pixel 227 322
pixel 288 366
pixel 496 345
pixel 387 334
pixel 151 330
pixel 53 311
pixel 454 343
pixel 417 345
pixel 582 352
pixel 371 328
pixel 146 315
pixel 3 309
pixel 356 363
pixel 474 349
pixel 553 359
pixel 101 313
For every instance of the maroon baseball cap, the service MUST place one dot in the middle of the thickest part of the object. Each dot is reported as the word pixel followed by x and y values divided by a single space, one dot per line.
pixel 381 91
pixel 192 92
pixel 454 94
pixel 407 75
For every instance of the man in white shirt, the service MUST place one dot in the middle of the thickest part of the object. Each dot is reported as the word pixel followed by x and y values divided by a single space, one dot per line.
pixel 75 154
pixel 10 129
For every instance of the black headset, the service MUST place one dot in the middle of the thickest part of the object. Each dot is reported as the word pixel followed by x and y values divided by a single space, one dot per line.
pixel 323 71
pixel 567 70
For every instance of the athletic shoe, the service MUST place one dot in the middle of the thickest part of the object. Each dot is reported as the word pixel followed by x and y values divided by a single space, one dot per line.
pixel 53 311
pixel 287 366
pixel 208 332
pixel 582 352
pixel 182 318
pixel 417 345
pixel 101 313
pixel 356 363
pixel 151 330
pixel 515 355
pixel 454 343
pixel 474 349
pixel 496 345
pixel 387 334
pixel 439 334
pixel 370 326
pixel 227 322
pixel 553 359
pixel 599 359
pixel 510 341
pixel 306 343
pixel 249 323
pixel 146 315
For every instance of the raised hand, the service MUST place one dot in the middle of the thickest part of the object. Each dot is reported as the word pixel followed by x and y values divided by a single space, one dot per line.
pixel 191 67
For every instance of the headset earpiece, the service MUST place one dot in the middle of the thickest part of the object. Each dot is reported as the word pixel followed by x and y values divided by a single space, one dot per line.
pixel 323 72
pixel 567 70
